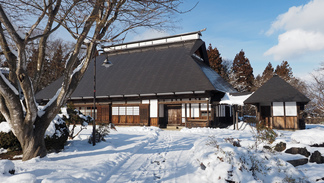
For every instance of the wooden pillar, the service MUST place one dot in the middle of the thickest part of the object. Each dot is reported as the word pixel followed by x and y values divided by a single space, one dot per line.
pixel 271 117
pixel 186 115
pixel 213 114
pixel 285 118
pixel 207 113
pixel 236 118
pixel 234 115
pixel 239 108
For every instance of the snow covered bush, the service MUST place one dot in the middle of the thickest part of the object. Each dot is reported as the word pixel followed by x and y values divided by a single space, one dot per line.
pixel 239 164
pixel 55 137
pixel 262 134
pixel 101 133
pixel 74 117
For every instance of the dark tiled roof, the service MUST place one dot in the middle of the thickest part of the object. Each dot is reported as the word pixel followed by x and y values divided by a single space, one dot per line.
pixel 276 90
pixel 150 70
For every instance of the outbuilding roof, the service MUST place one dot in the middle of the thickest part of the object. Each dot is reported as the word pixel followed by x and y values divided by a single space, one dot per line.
pixel 176 67
pixel 276 90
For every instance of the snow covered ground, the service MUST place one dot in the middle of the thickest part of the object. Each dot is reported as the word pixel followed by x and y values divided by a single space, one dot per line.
pixel 149 154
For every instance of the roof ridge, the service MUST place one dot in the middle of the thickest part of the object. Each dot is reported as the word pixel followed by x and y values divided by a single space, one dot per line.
pixel 155 41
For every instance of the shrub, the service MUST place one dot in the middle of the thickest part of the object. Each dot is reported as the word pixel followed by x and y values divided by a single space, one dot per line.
pixel 263 134
pixel 9 141
pixel 101 133
pixel 55 142
pixel 75 117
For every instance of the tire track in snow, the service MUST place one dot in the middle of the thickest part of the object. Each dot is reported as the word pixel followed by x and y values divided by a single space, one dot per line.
pixel 178 160
pixel 145 165
pixel 122 163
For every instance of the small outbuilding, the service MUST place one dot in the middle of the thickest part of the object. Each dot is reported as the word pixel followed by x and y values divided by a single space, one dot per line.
pixel 279 105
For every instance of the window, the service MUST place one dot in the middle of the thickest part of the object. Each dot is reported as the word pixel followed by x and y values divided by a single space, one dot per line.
pixel 204 113
pixel 136 110
pixel 291 108
pixel 278 109
pixel 153 108
pixel 130 111
pixel 122 110
pixel 220 111
pixel 195 110
pixel 115 110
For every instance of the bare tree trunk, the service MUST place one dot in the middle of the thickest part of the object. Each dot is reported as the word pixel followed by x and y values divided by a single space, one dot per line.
pixel 33 146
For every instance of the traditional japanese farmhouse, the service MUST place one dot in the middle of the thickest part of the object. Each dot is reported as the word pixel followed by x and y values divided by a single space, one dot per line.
pixel 279 105
pixel 158 82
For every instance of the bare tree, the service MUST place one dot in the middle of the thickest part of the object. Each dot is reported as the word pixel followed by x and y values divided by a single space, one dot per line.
pixel 316 93
pixel 89 22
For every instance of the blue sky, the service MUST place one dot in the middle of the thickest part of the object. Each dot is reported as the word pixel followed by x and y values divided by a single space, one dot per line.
pixel 267 31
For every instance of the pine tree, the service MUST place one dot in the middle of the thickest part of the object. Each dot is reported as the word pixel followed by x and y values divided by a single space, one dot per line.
pixel 268 72
pixel 53 67
pixel 32 62
pixel 242 73
pixel 215 60
pixel 57 63
pixel 284 71
pixel 266 75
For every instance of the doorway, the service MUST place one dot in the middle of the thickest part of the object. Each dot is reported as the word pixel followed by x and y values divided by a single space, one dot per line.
pixel 173 115
pixel 266 115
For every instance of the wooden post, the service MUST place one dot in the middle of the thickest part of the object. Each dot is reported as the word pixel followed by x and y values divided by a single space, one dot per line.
pixel 271 117
pixel 213 114
pixel 207 113
pixel 236 118
pixel 234 115
pixel 285 118
pixel 186 115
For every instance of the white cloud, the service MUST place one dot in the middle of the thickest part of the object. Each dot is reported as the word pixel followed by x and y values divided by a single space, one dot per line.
pixel 149 34
pixel 295 43
pixel 304 31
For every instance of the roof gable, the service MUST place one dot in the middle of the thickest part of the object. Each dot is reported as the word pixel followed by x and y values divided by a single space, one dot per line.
pixel 276 90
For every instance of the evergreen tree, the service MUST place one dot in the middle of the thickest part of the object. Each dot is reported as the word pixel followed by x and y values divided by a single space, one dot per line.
pixel 266 75
pixel 284 71
pixel 215 60
pixel 227 65
pixel 57 63
pixel 268 72
pixel 242 73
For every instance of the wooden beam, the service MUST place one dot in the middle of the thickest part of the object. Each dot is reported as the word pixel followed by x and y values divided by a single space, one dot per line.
pixel 185 102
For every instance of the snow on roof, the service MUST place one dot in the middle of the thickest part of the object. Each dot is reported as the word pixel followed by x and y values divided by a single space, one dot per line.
pixel 235 99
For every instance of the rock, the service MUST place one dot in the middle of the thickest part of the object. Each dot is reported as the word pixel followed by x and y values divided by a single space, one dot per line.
pixel 202 166
pixel 236 143
pixel 298 162
pixel 316 157
pixel 319 179
pixel 317 145
pixel 280 147
pixel 298 150
pixel 267 148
